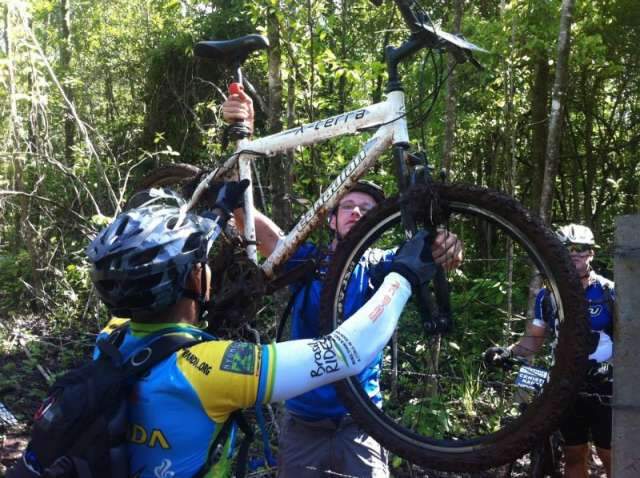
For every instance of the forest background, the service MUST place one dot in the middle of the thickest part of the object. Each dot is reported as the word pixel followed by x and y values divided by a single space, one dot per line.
pixel 94 95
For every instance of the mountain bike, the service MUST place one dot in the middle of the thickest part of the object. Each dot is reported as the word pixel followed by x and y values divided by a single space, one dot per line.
pixel 440 409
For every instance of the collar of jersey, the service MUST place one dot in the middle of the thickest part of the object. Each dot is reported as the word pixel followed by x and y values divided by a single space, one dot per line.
pixel 143 330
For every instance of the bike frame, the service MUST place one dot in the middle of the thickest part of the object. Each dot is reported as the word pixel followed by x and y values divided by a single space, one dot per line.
pixel 388 116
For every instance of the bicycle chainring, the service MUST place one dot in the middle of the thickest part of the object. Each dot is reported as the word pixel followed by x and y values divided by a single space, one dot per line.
pixel 237 287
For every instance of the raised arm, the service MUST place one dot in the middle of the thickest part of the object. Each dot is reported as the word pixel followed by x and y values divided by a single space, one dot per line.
pixel 239 107
pixel 303 365
pixel 268 233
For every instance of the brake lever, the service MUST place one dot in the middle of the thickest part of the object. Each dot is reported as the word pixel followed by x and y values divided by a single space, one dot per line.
pixel 471 59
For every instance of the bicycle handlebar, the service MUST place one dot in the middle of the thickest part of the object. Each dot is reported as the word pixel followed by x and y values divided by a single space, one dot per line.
pixel 424 34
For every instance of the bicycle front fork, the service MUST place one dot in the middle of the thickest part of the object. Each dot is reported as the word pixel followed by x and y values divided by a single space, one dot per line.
pixel 413 173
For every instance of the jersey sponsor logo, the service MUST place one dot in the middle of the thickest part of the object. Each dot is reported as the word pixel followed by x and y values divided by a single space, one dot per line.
pixel 163 470
pixel 239 358
pixel 149 438
pixel 345 347
pixel 324 356
pixel 194 361
pixel 386 300
pixel 595 309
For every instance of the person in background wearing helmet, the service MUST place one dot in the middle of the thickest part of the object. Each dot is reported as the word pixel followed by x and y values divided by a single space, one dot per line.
pixel 150 265
pixel 590 416
pixel 317 434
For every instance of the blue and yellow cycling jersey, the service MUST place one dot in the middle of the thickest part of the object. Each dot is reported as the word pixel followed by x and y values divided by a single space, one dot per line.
pixel 177 409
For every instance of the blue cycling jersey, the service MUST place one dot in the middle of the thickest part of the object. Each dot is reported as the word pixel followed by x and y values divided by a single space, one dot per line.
pixel 323 402
pixel 600 295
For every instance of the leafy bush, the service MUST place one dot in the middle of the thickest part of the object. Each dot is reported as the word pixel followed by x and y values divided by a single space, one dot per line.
pixel 14 277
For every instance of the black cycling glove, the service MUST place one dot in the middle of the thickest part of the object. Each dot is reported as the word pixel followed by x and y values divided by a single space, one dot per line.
pixel 414 260
pixel 227 195
pixel 497 356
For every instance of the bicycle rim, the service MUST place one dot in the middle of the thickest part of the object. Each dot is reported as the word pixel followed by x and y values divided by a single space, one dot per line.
pixel 443 408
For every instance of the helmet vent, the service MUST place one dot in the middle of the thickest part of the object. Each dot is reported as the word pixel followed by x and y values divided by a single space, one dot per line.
pixel 121 227
pixel 145 257
pixel 171 223
pixel 144 284
pixel 193 242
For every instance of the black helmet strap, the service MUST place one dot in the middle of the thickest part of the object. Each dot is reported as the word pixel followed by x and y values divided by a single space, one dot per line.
pixel 199 297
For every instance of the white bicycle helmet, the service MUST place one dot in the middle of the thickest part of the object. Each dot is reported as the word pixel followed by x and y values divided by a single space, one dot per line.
pixel 576 234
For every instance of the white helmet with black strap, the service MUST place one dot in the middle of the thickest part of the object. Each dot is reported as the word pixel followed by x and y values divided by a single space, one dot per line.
pixel 576 234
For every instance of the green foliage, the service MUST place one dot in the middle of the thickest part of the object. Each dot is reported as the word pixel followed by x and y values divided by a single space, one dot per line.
pixel 14 280
pixel 141 99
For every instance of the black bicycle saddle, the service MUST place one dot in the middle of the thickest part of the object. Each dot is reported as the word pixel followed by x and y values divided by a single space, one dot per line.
pixel 233 51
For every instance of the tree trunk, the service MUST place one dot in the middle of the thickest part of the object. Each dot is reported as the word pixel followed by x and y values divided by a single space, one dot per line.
pixel 65 63
pixel 590 159
pixel 279 167
pixel 451 98
pixel 558 99
pixel 539 118
pixel 19 147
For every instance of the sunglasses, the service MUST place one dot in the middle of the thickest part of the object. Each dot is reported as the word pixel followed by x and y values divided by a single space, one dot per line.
pixel 579 248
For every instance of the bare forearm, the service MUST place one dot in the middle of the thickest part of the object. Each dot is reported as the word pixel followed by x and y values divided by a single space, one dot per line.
pixel 268 233
pixel 531 342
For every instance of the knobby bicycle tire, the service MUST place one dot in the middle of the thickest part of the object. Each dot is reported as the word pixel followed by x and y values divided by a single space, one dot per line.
pixel 405 425
pixel 538 462
pixel 171 175
pixel 545 458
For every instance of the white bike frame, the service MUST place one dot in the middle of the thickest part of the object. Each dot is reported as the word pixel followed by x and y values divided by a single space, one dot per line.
pixel 390 118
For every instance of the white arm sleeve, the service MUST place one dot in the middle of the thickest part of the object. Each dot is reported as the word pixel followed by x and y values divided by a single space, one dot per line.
pixel 302 365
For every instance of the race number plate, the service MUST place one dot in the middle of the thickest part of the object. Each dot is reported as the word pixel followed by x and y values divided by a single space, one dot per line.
pixel 531 378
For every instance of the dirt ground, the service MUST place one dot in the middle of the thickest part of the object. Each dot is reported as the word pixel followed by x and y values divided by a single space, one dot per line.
pixel 13 439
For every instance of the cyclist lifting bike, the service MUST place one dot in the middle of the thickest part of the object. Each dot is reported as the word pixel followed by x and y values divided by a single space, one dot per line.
pixel 439 407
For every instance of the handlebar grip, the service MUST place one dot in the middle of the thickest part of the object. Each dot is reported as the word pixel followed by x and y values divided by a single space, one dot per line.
pixel 238 129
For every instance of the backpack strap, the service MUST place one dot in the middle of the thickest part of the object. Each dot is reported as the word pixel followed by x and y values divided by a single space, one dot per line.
pixel 243 452
pixel 268 455
pixel 146 356
pixel 217 447
pixel 150 355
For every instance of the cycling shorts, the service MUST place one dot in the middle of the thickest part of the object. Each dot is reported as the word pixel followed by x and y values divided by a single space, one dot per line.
pixel 589 418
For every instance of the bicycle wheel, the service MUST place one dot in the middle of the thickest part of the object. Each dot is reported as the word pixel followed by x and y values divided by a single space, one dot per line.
pixel 442 407
pixel 174 176
pixel 545 458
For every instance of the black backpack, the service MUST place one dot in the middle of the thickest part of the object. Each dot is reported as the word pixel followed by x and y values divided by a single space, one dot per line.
pixel 80 430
